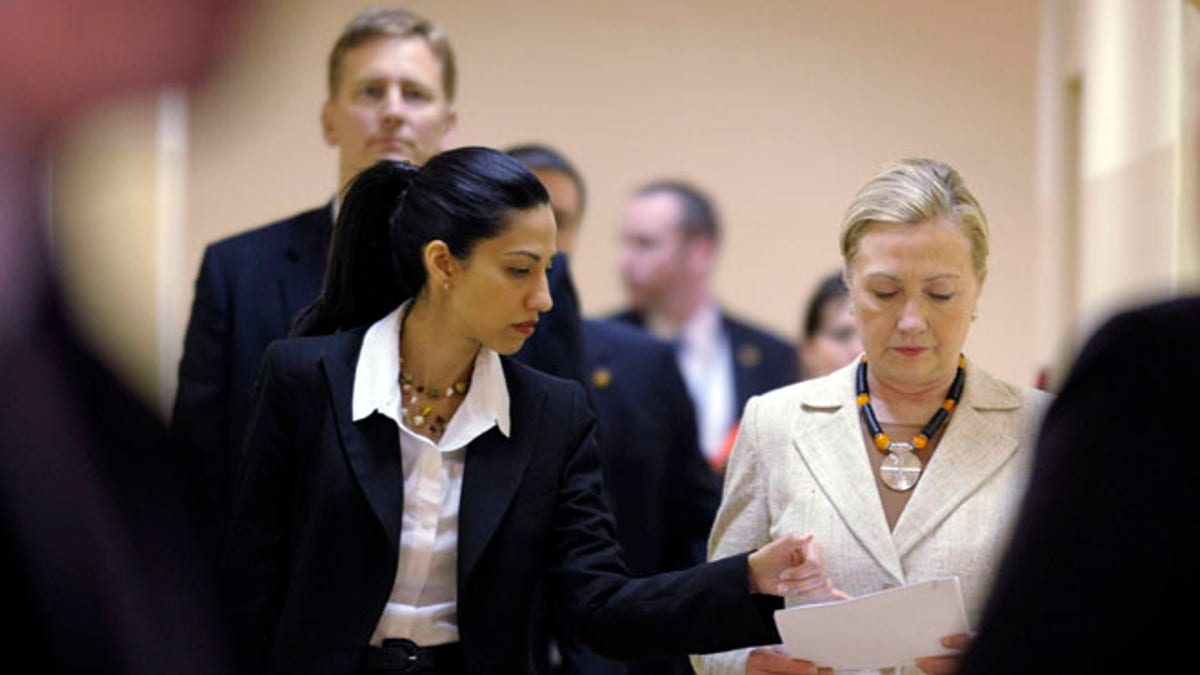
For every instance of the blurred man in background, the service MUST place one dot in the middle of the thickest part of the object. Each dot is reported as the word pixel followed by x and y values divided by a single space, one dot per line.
pixel 669 237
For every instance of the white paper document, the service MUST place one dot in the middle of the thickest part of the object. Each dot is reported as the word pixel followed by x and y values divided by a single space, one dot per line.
pixel 889 628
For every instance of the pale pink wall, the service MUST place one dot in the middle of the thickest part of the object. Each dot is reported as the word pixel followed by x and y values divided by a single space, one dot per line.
pixel 781 108
pixel 1117 185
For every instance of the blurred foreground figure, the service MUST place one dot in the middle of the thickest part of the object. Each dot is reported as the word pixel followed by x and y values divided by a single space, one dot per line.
pixel 97 550
pixel 1099 574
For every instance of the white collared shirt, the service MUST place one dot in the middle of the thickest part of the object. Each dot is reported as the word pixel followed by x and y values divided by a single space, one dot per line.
pixel 705 360
pixel 423 604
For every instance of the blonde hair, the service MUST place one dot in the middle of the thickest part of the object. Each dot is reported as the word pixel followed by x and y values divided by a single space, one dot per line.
pixel 914 191
pixel 392 22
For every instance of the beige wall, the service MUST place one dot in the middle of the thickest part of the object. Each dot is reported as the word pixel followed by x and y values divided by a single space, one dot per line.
pixel 780 108
pixel 118 189
pixel 1117 181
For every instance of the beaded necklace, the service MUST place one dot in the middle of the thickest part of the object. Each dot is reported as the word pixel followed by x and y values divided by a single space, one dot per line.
pixel 418 413
pixel 901 468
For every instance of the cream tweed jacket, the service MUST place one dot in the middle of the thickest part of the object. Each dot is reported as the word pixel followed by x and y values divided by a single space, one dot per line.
pixel 799 465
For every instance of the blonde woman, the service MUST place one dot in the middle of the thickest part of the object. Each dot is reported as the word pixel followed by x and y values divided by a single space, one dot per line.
pixel 909 463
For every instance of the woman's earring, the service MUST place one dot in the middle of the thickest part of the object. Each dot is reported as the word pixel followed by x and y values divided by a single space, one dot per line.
pixel 446 286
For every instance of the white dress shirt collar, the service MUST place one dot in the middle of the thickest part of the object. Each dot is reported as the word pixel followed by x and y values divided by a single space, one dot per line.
pixel 704 356
pixel 703 333
pixel 377 385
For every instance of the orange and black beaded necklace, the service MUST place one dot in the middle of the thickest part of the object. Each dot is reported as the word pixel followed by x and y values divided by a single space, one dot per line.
pixel 901 468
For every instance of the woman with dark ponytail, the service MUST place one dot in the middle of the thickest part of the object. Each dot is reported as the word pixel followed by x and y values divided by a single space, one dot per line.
pixel 405 487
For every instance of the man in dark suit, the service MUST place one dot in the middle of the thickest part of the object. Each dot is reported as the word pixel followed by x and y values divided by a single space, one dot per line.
pixel 669 236
pixel 102 566
pixel 661 492
pixel 1099 575
pixel 391 89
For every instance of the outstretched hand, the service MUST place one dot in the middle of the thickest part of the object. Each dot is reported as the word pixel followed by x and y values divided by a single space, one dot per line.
pixel 792 566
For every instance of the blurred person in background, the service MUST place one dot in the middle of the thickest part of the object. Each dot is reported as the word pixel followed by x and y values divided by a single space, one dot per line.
pixel 392 80
pixel 662 495
pixel 829 339
pixel 909 464
pixel 101 558
pixel 669 237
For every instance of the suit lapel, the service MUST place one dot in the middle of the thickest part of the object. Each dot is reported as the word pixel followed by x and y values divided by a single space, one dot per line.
pixel 494 467
pixel 832 447
pixel 371 446
pixel 751 376
pixel 303 270
pixel 740 352
pixel 974 447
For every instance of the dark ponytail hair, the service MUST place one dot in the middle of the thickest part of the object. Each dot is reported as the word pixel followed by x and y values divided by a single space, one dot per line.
pixel 393 210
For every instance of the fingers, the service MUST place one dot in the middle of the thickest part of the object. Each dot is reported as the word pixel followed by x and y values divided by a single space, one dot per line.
pixel 810 586
pixel 959 641
pixel 798 548
pixel 806 574
pixel 813 551
pixel 838 594
pixel 776 659
pixel 791 566
pixel 939 665
pixel 768 562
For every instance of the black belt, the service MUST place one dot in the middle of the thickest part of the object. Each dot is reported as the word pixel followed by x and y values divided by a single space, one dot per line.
pixel 401 655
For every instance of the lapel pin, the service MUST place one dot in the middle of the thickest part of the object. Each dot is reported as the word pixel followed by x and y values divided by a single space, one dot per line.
pixel 749 356
pixel 601 377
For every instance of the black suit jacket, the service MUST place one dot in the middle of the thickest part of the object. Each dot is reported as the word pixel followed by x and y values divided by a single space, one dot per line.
pixel 662 493
pixel 761 361
pixel 250 288
pixel 314 538
pixel 1100 573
